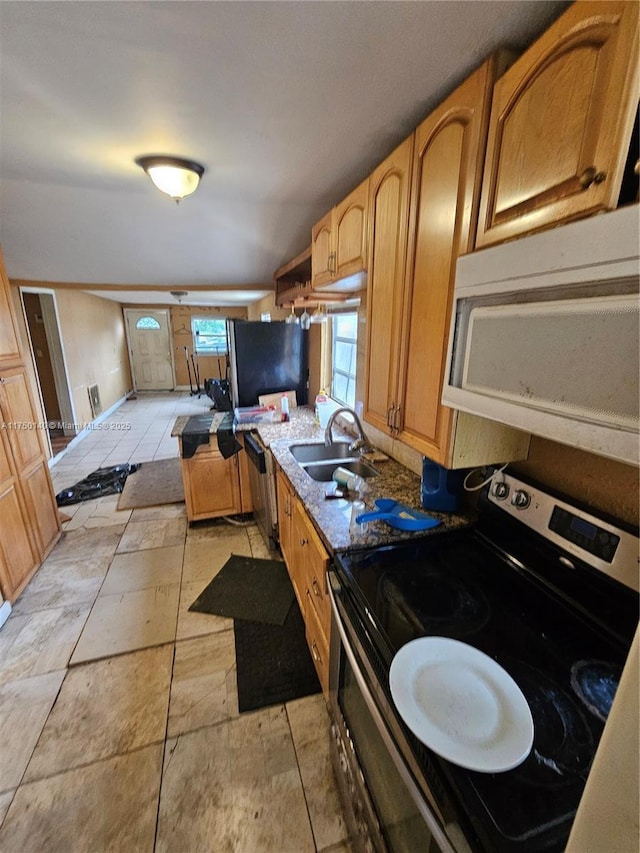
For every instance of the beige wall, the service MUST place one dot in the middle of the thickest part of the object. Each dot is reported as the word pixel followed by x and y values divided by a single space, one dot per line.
pixel 268 304
pixel 95 347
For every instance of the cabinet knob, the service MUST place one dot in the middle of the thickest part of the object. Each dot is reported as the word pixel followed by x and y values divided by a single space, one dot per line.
pixel 591 176
pixel 315 653
pixel 304 542
pixel 316 588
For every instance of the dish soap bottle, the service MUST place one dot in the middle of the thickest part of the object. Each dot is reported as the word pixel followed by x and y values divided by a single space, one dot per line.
pixel 285 407
pixel 323 410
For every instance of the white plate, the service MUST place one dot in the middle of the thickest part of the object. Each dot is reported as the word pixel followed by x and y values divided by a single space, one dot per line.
pixel 461 704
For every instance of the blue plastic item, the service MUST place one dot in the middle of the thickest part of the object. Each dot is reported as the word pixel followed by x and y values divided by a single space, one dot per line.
pixel 398 515
pixel 441 488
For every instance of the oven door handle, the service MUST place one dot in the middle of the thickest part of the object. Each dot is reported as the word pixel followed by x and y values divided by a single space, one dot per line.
pixel 417 797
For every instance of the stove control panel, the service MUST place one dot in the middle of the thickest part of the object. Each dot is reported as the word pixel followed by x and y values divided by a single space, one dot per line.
pixel 595 541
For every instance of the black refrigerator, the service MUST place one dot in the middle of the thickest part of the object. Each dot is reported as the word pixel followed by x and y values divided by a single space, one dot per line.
pixel 265 358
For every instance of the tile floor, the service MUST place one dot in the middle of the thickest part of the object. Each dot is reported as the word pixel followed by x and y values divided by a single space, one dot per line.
pixel 119 723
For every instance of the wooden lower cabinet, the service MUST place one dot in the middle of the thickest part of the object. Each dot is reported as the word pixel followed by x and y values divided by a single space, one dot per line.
pixel 285 500
pixel 211 484
pixel 18 559
pixel 307 562
pixel 29 522
pixel 41 502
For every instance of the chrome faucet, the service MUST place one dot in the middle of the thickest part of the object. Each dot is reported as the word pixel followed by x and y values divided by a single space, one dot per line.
pixel 361 443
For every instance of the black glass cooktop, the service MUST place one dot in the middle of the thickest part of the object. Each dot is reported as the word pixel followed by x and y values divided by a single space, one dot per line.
pixel 566 664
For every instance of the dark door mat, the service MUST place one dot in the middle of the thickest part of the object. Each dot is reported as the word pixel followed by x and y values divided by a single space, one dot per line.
pixel 274 664
pixel 248 588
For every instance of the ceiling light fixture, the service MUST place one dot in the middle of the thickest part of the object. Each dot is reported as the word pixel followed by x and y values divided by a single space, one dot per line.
pixel 172 175
pixel 179 294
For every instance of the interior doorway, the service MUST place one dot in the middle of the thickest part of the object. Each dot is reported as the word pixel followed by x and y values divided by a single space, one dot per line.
pixel 48 359
pixel 150 349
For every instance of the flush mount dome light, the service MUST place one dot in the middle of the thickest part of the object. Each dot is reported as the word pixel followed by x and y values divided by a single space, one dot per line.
pixel 172 175
pixel 179 295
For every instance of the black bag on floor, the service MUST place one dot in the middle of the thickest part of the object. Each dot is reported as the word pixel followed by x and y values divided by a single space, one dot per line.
pixel 103 481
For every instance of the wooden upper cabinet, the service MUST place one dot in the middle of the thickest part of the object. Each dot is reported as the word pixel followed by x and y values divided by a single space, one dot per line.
pixel 448 154
pixel 561 122
pixel 322 251
pixel 10 352
pixel 389 188
pixel 339 244
pixel 423 214
pixel 350 233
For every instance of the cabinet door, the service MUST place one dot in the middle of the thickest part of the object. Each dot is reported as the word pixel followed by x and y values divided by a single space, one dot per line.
pixel 322 253
pixel 561 122
pixel 9 342
pixel 19 415
pixel 211 485
pixel 41 504
pixel 350 229
pixel 388 216
pixel 300 539
pixel 284 499
pixel 448 154
pixel 18 559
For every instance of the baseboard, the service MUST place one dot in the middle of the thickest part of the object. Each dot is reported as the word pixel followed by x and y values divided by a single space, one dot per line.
pixel 5 610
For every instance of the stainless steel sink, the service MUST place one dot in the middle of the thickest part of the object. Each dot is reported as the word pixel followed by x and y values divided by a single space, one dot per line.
pixel 338 451
pixel 321 460
pixel 324 471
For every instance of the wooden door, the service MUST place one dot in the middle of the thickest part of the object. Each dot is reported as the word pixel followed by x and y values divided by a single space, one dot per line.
pixel 10 352
pixel 150 350
pixel 561 122
pixel 322 252
pixel 350 229
pixel 448 155
pixel 388 215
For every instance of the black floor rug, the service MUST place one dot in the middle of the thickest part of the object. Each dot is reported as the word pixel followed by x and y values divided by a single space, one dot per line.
pixel 248 588
pixel 274 663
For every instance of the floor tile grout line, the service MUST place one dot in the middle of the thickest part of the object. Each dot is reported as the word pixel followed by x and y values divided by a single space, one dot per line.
pixel 164 742
pixel 84 765
pixel 302 786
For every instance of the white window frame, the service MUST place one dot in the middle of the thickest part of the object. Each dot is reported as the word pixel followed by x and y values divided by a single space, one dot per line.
pixel 218 350
pixel 352 373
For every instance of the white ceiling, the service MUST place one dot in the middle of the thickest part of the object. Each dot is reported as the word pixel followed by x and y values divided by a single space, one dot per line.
pixel 287 104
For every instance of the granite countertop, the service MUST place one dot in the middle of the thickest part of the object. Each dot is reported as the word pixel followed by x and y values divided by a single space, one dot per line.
pixel 210 423
pixel 332 517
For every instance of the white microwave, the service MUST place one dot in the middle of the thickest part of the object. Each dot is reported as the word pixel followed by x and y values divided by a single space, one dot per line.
pixel 545 334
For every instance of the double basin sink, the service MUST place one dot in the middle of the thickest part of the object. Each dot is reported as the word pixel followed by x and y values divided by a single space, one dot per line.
pixel 321 460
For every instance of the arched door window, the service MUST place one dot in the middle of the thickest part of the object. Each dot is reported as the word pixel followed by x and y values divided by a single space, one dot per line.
pixel 147 323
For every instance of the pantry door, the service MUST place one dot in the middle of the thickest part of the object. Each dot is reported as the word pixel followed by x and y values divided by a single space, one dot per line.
pixel 150 349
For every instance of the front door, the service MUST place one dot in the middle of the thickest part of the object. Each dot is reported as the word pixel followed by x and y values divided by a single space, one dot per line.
pixel 150 349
